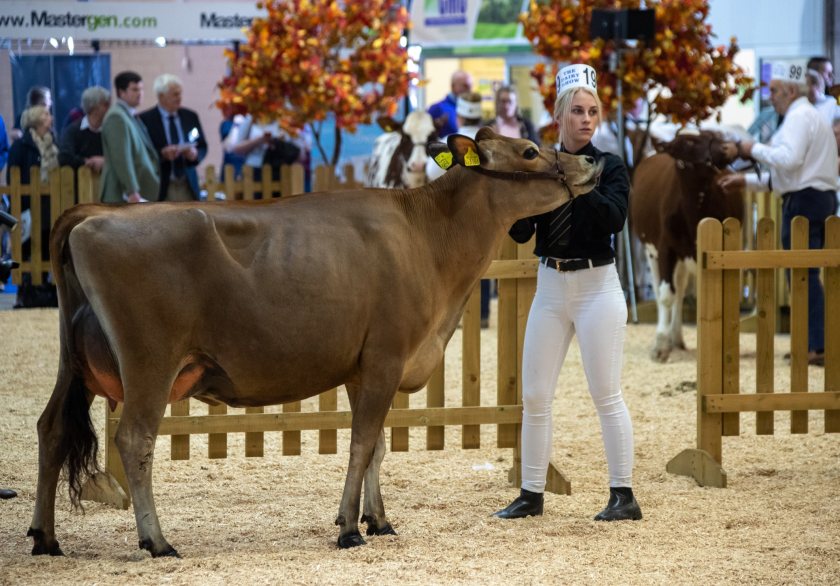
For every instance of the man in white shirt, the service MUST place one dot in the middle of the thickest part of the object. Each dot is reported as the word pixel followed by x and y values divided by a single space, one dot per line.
pixel 802 156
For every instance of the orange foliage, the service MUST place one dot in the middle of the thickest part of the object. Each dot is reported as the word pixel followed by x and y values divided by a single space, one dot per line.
pixel 310 58
pixel 694 76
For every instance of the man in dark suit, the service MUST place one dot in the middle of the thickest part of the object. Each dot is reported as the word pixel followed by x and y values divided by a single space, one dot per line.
pixel 179 139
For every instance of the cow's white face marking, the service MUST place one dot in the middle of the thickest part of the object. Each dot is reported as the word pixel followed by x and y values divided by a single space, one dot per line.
pixel 418 127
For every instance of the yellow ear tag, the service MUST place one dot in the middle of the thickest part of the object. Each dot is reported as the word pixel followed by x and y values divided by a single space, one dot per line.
pixel 444 160
pixel 471 158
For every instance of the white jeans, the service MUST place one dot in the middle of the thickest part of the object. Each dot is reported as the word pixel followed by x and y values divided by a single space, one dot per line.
pixel 589 303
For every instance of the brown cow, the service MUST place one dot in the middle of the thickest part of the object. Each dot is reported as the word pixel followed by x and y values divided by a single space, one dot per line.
pixel 672 191
pixel 260 303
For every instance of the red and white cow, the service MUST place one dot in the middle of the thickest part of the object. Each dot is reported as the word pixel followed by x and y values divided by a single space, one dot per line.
pixel 399 156
pixel 672 191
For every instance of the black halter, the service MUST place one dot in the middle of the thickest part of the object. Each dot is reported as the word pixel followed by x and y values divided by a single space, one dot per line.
pixel 526 175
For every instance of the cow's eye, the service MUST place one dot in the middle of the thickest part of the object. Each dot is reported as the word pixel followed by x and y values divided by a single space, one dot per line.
pixel 590 160
pixel 531 153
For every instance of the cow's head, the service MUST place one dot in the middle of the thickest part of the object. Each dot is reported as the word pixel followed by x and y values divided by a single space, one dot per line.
pixel 416 132
pixel 518 158
pixel 706 147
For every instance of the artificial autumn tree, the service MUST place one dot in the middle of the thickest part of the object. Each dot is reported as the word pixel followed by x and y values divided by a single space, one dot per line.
pixel 308 59
pixel 689 75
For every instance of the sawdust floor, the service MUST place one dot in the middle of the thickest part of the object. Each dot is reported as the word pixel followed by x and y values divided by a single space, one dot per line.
pixel 270 520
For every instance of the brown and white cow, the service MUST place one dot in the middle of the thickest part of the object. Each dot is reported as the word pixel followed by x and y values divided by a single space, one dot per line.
pixel 266 302
pixel 399 156
pixel 672 191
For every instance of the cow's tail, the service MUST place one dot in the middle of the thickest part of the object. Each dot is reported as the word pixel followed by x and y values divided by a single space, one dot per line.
pixel 79 439
pixel 77 436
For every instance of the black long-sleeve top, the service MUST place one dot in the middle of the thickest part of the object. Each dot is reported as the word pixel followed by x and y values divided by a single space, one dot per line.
pixel 79 144
pixel 596 215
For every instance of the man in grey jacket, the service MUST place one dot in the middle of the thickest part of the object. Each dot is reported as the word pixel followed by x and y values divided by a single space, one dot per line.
pixel 131 161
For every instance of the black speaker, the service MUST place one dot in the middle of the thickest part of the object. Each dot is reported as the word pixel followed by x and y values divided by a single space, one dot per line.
pixel 620 25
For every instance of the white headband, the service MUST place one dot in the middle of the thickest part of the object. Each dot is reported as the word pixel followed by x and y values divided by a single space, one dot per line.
pixel 793 70
pixel 467 109
pixel 577 75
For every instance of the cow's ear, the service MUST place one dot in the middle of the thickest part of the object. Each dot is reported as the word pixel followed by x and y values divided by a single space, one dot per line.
pixel 388 124
pixel 440 154
pixel 464 150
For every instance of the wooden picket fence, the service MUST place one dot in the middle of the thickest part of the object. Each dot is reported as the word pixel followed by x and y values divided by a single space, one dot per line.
pixel 67 187
pixel 720 401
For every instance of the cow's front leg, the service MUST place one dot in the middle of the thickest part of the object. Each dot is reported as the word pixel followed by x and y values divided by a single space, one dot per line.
pixel 135 439
pixel 371 406
pixel 664 298
pixel 682 273
pixel 373 512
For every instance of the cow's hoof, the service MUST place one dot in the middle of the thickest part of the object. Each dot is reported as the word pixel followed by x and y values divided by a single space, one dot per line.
pixel 660 355
pixel 350 540
pixel 385 530
pixel 41 549
pixel 7 493
pixel 167 551
pixel 42 546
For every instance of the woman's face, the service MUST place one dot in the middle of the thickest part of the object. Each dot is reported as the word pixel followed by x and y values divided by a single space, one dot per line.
pixel 506 104
pixel 581 123
pixel 44 124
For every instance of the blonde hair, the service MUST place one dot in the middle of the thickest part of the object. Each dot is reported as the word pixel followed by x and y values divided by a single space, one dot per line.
pixel 32 116
pixel 563 106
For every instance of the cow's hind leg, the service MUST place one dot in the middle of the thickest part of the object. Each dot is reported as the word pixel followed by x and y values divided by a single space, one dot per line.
pixel 135 439
pixel 371 406
pixel 64 430
pixel 373 512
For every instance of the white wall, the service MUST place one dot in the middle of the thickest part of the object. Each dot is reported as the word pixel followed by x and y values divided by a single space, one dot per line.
pixel 773 28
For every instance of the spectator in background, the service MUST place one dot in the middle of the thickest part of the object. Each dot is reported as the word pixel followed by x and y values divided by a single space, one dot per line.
pixel 81 142
pixel 264 144
pixel 508 120
pixel 74 115
pixel 7 221
pixel 38 95
pixel 468 116
pixel 229 157
pixel 444 112
pixel 822 100
pixel 177 136
pixel 131 162
pixel 836 127
pixel 36 148
pixel 4 144
pixel 802 157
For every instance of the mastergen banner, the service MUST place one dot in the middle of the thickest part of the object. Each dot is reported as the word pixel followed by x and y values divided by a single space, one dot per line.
pixel 210 21
pixel 457 23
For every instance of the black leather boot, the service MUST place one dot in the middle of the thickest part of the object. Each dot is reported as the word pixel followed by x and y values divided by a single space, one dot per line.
pixel 527 504
pixel 622 506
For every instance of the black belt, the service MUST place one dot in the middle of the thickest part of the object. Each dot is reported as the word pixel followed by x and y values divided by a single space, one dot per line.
pixel 575 264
